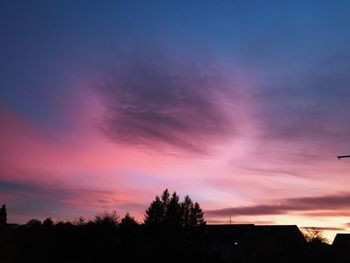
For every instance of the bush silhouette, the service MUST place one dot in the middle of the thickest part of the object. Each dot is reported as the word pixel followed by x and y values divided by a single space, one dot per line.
pixel 106 219
pixel 128 221
pixel 48 222
pixel 33 223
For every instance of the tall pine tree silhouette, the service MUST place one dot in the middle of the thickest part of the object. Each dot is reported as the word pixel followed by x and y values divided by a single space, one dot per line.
pixel 173 215
pixel 197 216
pixel 3 215
pixel 155 213
pixel 186 208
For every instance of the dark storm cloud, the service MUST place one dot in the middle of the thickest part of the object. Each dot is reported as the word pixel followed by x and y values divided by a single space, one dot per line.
pixel 153 100
pixel 284 206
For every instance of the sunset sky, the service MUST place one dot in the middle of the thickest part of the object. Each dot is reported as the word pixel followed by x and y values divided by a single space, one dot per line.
pixel 243 105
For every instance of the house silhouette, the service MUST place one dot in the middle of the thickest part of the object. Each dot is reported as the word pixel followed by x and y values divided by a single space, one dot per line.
pixel 249 242
pixel 341 247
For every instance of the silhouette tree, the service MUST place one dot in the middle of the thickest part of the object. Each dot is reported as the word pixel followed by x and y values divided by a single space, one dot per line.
pixel 128 221
pixel 3 215
pixel 196 216
pixel 314 236
pixel 155 213
pixel 33 223
pixel 48 222
pixel 165 199
pixel 106 219
pixel 80 221
pixel 169 212
pixel 173 216
pixel 186 208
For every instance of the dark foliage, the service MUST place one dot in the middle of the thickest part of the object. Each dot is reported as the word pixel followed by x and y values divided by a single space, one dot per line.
pixel 168 212
pixel 3 215
pixel 155 213
pixel 128 221
pixel 48 222
pixel 106 219
pixel 173 237
pixel 34 223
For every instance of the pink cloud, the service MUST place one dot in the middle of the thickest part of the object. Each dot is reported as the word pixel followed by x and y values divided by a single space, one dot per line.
pixel 246 169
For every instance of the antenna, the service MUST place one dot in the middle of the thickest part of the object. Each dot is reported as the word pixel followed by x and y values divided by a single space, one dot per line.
pixel 343 156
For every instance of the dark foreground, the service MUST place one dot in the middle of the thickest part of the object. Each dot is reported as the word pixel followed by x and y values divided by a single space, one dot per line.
pixel 65 243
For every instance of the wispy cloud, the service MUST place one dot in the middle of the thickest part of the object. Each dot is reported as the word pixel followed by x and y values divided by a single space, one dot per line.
pixel 153 100
pixel 307 104
pixel 58 200
pixel 285 206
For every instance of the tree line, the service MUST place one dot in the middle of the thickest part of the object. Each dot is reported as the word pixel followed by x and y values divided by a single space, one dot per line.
pixel 165 211
pixel 170 212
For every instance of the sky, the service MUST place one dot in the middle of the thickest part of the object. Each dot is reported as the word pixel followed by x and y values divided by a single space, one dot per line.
pixel 243 105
